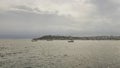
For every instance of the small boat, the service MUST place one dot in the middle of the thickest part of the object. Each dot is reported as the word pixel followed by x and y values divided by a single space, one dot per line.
pixel 71 41
pixel 34 40
pixel 49 40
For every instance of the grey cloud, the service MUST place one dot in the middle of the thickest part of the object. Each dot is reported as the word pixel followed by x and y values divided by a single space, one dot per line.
pixel 30 24
pixel 108 9
pixel 20 24
pixel 104 20
pixel 105 6
pixel 23 8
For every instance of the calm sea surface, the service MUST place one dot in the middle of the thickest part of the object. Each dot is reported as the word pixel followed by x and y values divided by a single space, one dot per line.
pixel 59 54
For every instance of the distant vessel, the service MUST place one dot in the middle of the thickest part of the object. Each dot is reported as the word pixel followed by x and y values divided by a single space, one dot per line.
pixel 71 41
pixel 34 40
pixel 49 40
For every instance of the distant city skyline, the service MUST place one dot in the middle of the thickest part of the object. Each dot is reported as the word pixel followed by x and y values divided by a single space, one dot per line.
pixel 33 18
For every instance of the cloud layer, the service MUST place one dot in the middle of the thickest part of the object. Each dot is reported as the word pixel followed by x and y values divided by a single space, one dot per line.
pixel 32 18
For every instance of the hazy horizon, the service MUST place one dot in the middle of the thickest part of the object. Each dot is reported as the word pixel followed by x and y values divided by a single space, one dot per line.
pixel 21 19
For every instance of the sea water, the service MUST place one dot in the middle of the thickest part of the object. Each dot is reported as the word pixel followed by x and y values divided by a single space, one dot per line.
pixel 59 54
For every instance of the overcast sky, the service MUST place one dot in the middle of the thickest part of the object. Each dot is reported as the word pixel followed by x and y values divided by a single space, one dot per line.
pixel 34 18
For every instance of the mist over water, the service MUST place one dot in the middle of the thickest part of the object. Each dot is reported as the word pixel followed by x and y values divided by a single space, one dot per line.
pixel 59 54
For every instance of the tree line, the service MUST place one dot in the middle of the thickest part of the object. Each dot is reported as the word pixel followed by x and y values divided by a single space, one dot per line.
pixel 53 37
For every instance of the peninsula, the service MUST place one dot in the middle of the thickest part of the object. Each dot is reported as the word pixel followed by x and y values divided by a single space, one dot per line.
pixel 54 37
